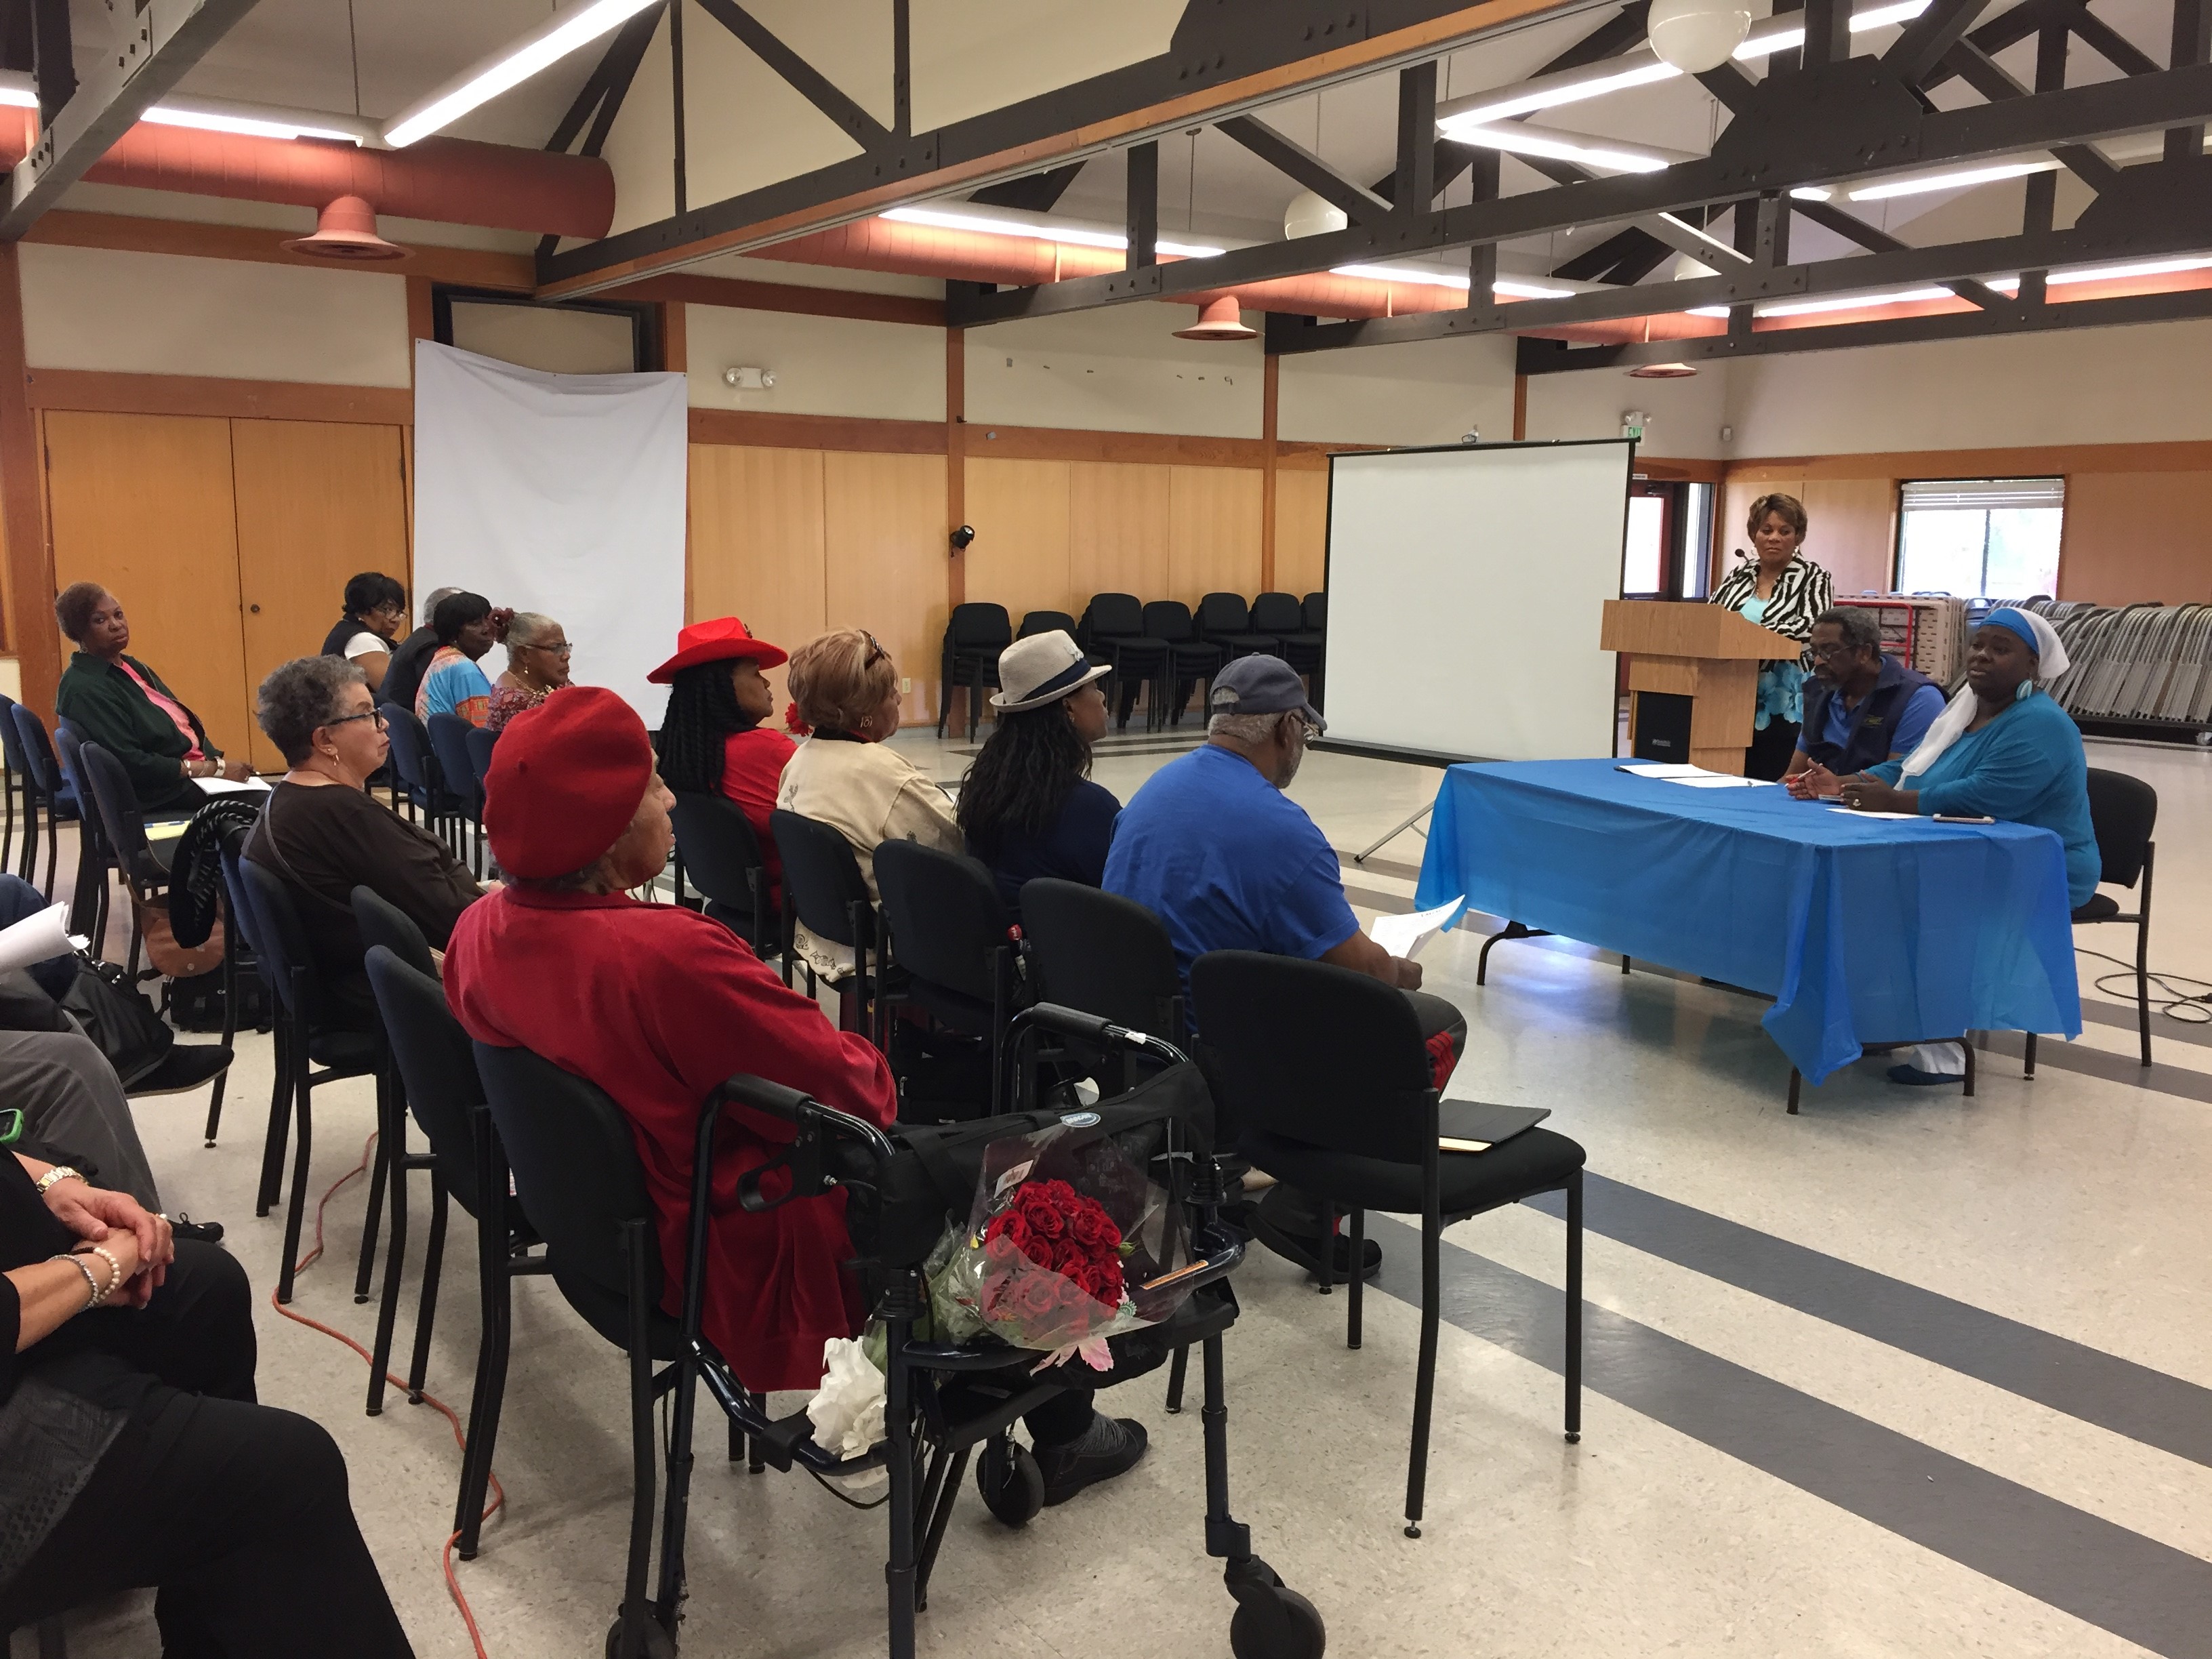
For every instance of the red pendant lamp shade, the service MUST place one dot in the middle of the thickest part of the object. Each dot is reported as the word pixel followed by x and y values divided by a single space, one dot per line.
pixel 346 229
pixel 1218 319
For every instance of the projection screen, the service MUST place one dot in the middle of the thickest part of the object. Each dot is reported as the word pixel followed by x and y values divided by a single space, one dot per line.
pixel 1466 586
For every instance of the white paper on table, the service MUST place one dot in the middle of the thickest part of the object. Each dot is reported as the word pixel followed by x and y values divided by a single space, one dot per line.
pixel 1404 936
pixel 225 786
pixel 1723 781
pixel 36 937
pixel 1663 769
pixel 1854 811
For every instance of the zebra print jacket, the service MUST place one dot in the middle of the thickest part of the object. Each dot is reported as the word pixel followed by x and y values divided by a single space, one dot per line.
pixel 1802 593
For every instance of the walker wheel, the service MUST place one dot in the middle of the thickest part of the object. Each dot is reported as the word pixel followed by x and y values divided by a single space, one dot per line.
pixel 1012 1483
pixel 1290 1628
pixel 657 1643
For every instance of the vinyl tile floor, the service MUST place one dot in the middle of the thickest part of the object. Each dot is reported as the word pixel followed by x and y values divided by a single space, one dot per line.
pixel 1906 1374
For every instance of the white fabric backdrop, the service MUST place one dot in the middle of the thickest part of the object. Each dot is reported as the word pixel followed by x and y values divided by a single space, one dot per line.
pixel 557 493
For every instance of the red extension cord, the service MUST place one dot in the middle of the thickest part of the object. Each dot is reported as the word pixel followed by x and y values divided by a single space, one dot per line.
pixel 460 1436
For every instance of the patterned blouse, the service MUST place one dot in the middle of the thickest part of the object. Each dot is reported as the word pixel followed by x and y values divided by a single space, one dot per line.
pixel 1802 593
pixel 509 700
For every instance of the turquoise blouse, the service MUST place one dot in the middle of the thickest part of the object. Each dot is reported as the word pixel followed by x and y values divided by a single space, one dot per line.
pixel 2024 767
pixel 1781 685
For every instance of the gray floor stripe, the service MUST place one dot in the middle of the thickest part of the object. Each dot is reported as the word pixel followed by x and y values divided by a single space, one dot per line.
pixel 2141 1590
pixel 2052 1055
pixel 2084 1382
pixel 2162 1028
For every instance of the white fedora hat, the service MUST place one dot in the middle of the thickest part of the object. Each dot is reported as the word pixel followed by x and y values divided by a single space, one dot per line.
pixel 1041 669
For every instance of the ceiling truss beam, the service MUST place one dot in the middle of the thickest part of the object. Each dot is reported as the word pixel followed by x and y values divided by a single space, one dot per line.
pixel 808 82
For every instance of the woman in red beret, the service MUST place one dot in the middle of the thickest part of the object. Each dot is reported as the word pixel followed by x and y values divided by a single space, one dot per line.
pixel 711 740
pixel 657 1006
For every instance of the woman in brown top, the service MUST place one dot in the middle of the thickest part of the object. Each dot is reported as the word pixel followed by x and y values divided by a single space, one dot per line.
pixel 325 834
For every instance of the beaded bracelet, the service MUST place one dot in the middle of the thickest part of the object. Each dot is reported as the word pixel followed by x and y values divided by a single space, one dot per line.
pixel 91 1280
pixel 114 1273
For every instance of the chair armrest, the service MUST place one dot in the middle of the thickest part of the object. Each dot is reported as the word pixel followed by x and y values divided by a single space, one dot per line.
pixel 808 1157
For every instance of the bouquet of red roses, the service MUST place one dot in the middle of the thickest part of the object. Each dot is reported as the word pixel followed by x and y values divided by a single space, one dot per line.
pixel 1066 1245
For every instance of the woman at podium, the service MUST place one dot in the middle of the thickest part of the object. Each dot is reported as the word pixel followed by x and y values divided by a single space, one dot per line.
pixel 1778 588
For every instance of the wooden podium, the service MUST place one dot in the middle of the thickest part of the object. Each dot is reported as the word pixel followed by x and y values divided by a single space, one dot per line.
pixel 1698 664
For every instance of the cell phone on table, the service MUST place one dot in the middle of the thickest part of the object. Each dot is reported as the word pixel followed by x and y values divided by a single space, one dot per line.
pixel 1954 818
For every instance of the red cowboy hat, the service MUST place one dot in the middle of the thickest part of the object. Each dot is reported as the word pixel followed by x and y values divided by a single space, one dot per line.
pixel 714 641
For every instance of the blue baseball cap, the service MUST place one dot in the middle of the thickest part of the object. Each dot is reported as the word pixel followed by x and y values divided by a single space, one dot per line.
pixel 1262 685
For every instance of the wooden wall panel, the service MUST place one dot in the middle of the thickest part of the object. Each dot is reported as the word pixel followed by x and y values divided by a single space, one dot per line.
pixel 1117 527
pixel 143 505
pixel 1301 531
pixel 2123 542
pixel 1853 532
pixel 758 546
pixel 317 502
pixel 884 518
pixel 1021 557
pixel 1213 533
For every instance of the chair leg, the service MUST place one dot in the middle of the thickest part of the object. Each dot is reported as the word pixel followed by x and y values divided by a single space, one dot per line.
pixel 1425 1376
pixel 1357 1280
pixel 391 1146
pixel 1966 1047
pixel 393 1149
pixel 2027 1061
pixel 53 852
pixel 495 1284
pixel 303 1101
pixel 230 1015
pixel 280 1118
pixel 898 1420
pixel 1325 1280
pixel 2142 963
pixel 426 1310
pixel 1796 1083
pixel 644 1452
pixel 1574 1356
pixel 1176 1373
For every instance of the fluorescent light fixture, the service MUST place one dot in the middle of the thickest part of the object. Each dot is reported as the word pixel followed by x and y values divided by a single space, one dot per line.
pixel 18 90
pixel 1811 193
pixel 1638 68
pixel 1959 181
pixel 250 126
pixel 1073 235
pixel 509 66
pixel 1613 155
pixel 2109 273
pixel 1708 311
pixel 1504 287
pixel 1859 302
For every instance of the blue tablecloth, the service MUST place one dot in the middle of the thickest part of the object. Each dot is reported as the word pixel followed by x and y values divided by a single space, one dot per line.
pixel 1862 929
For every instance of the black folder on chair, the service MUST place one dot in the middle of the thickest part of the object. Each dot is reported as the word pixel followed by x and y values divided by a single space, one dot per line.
pixel 1476 1125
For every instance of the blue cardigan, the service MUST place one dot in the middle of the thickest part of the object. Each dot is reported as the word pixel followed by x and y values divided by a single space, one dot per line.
pixel 2024 767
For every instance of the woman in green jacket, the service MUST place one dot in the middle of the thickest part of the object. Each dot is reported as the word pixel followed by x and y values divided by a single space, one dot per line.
pixel 117 702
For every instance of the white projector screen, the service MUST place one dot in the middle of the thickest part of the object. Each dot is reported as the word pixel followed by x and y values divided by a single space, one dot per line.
pixel 1465 589
pixel 557 493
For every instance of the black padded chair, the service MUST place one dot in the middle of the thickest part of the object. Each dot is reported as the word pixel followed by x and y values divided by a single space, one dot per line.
pixel 721 857
pixel 1113 631
pixel 1190 657
pixel 822 887
pixel 946 929
pixel 481 741
pixel 45 790
pixel 456 771
pixel 1327 1070
pixel 1224 619
pixel 95 847
pixel 313 1041
pixel 1282 616
pixel 2123 812
pixel 438 1065
pixel 422 780
pixel 1102 954
pixel 974 636
pixel 1316 608
pixel 144 864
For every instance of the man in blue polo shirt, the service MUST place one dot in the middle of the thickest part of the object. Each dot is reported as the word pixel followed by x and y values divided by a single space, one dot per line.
pixel 1861 708
pixel 1213 846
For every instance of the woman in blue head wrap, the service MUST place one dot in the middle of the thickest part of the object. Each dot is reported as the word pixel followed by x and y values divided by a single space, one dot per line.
pixel 2002 750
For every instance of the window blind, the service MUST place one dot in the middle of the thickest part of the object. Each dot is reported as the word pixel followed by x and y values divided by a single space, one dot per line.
pixel 1983 494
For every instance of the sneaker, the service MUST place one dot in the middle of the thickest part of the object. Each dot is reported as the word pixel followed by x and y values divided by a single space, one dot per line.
pixel 208 1232
pixel 1305 1249
pixel 1918 1079
pixel 1110 1446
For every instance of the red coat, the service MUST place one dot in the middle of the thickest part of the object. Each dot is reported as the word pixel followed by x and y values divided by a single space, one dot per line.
pixel 752 769
pixel 657 1005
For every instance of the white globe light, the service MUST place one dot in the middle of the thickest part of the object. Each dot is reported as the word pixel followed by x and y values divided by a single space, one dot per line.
pixel 1697 35
pixel 1308 215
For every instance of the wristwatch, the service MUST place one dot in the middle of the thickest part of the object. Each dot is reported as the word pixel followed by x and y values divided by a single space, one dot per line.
pixel 59 1172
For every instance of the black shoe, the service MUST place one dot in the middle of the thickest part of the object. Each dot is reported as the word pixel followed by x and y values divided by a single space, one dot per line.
pixel 1305 1249
pixel 208 1232
pixel 1110 1446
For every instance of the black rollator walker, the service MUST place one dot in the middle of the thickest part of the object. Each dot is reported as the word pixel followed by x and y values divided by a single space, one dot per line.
pixel 902 1187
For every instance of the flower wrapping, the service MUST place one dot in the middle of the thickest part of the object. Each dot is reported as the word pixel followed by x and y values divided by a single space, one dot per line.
pixel 1064 1246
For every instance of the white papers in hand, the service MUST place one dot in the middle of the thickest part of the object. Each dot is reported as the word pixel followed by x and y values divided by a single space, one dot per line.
pixel 36 937
pixel 1404 936
pixel 225 786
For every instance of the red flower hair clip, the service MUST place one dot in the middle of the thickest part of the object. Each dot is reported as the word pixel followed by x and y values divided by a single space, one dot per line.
pixel 793 724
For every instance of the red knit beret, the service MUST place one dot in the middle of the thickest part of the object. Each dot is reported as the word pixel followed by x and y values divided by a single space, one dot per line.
pixel 565 781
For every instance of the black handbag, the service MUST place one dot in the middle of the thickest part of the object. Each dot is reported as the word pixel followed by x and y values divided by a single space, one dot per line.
pixel 121 1024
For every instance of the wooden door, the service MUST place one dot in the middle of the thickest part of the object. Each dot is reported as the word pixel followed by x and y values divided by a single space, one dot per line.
pixel 317 502
pixel 758 544
pixel 144 505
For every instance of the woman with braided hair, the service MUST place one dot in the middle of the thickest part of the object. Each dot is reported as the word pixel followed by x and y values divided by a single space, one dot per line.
pixel 1028 807
pixel 711 740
